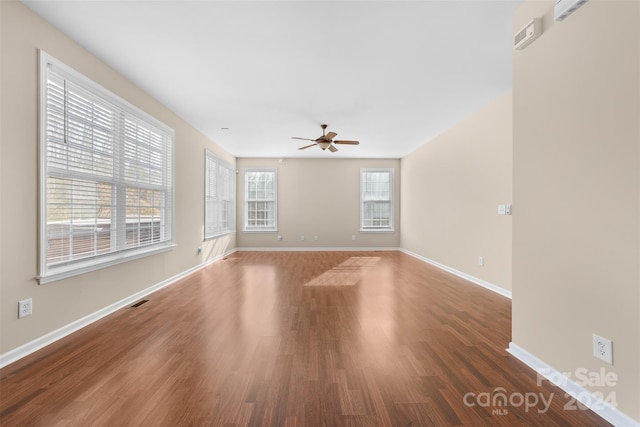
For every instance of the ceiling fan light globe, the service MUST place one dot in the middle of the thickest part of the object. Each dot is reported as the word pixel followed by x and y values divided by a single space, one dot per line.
pixel 324 145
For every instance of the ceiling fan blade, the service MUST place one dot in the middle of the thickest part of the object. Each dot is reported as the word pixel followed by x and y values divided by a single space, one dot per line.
pixel 347 142
pixel 332 149
pixel 330 136
pixel 304 139
pixel 306 146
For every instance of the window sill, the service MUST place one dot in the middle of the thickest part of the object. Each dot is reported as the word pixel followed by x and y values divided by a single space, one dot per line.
pixel 93 264
pixel 382 230
pixel 251 230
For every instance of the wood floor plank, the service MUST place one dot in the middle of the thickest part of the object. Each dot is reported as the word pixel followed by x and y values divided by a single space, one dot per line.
pixel 289 339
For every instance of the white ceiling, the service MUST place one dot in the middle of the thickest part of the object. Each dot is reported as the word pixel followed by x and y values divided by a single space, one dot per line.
pixel 392 74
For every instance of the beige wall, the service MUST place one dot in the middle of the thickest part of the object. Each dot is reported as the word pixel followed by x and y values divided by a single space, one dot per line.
pixel 451 189
pixel 59 303
pixel 318 197
pixel 576 191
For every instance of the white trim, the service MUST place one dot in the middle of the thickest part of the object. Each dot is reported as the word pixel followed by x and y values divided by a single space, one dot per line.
pixel 43 341
pixel 578 392
pixel 495 288
pixel 43 58
pixel 318 249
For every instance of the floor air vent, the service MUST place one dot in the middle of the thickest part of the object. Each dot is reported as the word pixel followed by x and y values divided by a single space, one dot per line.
pixel 139 303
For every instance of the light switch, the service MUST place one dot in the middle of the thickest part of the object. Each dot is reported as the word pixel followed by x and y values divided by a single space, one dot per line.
pixel 502 209
pixel 508 210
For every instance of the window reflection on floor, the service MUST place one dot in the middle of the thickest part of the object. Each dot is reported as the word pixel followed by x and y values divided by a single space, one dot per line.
pixel 347 273
pixel 378 313
pixel 258 297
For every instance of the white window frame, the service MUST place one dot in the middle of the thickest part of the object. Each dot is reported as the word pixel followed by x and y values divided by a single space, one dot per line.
pixel 391 226
pixel 126 118
pixel 214 199
pixel 248 228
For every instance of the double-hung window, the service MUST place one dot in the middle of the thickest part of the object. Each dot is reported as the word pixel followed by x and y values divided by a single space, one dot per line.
pixel 376 199
pixel 220 200
pixel 260 200
pixel 106 168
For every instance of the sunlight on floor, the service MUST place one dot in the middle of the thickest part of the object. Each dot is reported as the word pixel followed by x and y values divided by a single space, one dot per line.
pixel 347 273
pixel 259 296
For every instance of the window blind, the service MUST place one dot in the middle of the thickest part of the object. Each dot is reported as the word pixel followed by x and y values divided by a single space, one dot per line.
pixel 219 197
pixel 107 176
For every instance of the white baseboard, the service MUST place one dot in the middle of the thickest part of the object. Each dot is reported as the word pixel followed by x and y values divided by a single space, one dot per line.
pixel 318 249
pixel 484 284
pixel 43 341
pixel 578 392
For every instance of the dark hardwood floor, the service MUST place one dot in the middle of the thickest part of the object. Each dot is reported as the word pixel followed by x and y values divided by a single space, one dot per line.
pixel 292 339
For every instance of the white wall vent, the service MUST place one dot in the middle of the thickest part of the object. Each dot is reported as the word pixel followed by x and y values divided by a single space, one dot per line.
pixel 565 8
pixel 529 33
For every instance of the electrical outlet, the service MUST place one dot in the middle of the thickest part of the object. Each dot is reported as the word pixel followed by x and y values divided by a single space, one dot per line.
pixel 25 308
pixel 301 237
pixel 353 237
pixel 315 237
pixel 279 237
pixel 603 349
pixel 481 261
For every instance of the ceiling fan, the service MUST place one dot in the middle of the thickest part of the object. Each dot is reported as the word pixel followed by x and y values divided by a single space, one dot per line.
pixel 326 141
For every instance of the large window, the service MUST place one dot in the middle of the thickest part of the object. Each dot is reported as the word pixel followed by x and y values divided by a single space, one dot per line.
pixel 106 191
pixel 220 200
pixel 376 207
pixel 260 200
